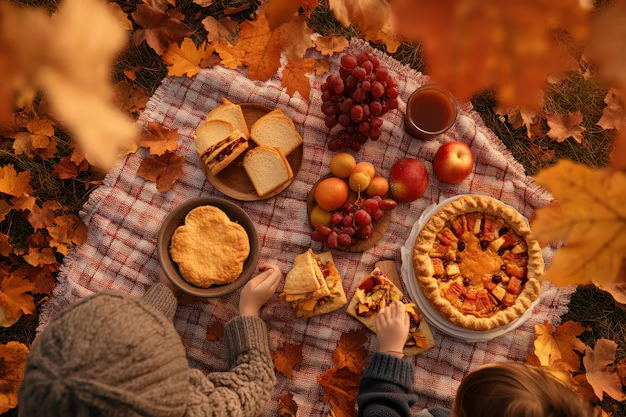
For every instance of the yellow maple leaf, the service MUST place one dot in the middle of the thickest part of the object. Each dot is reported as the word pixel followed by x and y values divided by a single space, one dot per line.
pixel 14 299
pixel 294 77
pixel 559 348
pixel 186 59
pixel 15 184
pixel 230 56
pixel 590 217
pixel 13 357
pixel 38 137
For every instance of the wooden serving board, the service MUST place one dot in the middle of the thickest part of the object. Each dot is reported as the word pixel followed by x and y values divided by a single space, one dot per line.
pixel 388 267
pixel 379 227
pixel 233 180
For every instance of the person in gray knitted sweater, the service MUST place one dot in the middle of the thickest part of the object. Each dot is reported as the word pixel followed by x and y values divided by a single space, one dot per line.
pixel 495 390
pixel 112 354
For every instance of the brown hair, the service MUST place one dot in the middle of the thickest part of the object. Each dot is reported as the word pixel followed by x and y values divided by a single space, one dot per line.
pixel 516 390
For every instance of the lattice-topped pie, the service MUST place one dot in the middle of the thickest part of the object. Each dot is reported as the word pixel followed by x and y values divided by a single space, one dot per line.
pixel 477 264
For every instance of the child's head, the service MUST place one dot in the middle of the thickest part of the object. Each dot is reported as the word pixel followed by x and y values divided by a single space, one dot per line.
pixel 516 390
pixel 108 355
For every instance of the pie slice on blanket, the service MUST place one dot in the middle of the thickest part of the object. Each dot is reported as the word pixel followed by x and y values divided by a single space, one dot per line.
pixel 376 292
pixel 477 264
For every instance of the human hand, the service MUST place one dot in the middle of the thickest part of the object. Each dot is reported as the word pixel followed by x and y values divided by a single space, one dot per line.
pixel 392 329
pixel 259 290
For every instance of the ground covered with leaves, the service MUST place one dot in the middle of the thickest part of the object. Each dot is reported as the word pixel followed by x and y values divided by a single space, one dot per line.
pixel 46 175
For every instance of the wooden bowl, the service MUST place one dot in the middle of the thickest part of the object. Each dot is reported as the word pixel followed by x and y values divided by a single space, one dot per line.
pixel 233 180
pixel 177 218
pixel 379 227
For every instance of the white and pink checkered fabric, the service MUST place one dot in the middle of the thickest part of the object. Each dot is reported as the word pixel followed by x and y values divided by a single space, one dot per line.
pixel 124 215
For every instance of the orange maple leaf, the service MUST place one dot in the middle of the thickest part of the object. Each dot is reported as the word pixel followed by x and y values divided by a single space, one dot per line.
pixel 286 357
pixel 215 331
pixel 519 116
pixel 15 184
pixel 67 230
pixel 164 170
pixel 38 137
pixel 582 387
pixel 563 126
pixel 23 203
pixel 350 352
pixel 40 257
pixel 159 28
pixel 288 406
pixel 613 116
pixel 473 45
pixel 294 77
pixel 13 357
pixel 130 98
pixel 159 139
pixel 120 16
pixel 560 346
pixel 44 216
pixel 544 155
pixel 341 386
pixel 188 60
pixel 601 375
pixel 328 45
pixel 5 247
pixel 14 299
pixel 41 277
pixel 279 12
pixel 225 28
pixel 230 56
pixel 65 169
pixel 5 208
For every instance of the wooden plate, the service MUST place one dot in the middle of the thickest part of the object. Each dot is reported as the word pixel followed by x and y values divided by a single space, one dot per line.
pixel 379 226
pixel 233 180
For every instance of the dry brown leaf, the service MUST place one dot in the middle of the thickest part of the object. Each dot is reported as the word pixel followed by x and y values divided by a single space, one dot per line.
pixel 601 375
pixel 215 331
pixel 286 357
pixel 322 66
pixel 131 72
pixel 162 5
pixel 65 169
pixel 560 346
pixel 44 216
pixel 341 386
pixel 230 56
pixel 12 183
pixel 38 137
pixel 294 77
pixel 13 358
pixel 296 38
pixel 563 126
pixel 23 203
pixel 518 116
pixel 234 10
pixel 544 155
pixel 288 406
pixel 120 16
pixel 5 208
pixel 188 60
pixel 613 116
pixel 42 278
pixel 474 45
pixel 5 247
pixel 621 370
pixel 130 98
pixel 159 28
pixel 67 231
pixel 361 13
pixel 40 257
pixel 203 3
pixel 159 139
pixel 164 170
pixel 328 45
pixel 225 28
pixel 14 299
pixel 350 352
pixel 583 388
pixel 587 197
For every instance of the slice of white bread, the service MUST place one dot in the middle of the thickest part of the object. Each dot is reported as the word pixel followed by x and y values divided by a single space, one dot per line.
pixel 267 168
pixel 211 133
pixel 232 113
pixel 276 130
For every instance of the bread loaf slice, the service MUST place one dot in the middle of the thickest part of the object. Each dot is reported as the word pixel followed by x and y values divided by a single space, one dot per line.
pixel 267 168
pixel 232 113
pixel 276 130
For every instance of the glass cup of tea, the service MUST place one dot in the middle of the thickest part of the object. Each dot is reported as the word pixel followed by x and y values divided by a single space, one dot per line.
pixel 430 111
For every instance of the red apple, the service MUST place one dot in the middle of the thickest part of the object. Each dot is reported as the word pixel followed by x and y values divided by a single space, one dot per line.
pixel 408 180
pixel 453 162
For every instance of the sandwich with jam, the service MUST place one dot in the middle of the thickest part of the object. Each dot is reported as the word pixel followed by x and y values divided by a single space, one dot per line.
pixel 218 143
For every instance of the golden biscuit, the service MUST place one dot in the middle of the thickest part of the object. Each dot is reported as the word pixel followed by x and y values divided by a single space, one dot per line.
pixel 209 248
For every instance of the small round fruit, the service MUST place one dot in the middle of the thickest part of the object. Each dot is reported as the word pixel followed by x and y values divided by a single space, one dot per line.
pixel 342 165
pixel 378 186
pixel 320 216
pixel 331 193
pixel 359 181
pixel 408 180
pixel 366 167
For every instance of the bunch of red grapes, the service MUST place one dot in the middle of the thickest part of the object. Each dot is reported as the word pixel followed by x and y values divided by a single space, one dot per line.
pixel 356 99
pixel 352 220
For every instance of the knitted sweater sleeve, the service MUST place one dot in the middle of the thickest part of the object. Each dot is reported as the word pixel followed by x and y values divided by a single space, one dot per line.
pixel 386 388
pixel 244 390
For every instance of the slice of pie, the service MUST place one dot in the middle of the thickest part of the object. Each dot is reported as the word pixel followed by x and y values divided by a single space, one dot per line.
pixel 374 293
pixel 477 264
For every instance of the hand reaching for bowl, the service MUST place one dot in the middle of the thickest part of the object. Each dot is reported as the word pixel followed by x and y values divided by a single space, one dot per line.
pixel 392 328
pixel 259 290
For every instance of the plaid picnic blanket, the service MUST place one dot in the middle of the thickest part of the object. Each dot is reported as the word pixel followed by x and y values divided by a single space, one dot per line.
pixel 124 215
